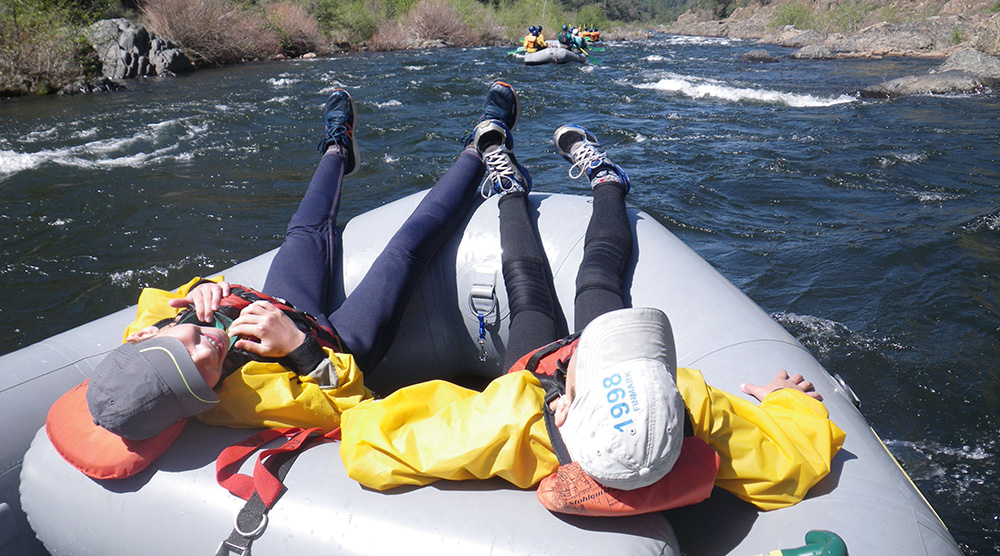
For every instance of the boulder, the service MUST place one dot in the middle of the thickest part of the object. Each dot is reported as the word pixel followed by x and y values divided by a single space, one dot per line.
pixel 759 55
pixel 974 62
pixel 940 83
pixel 128 50
pixel 813 52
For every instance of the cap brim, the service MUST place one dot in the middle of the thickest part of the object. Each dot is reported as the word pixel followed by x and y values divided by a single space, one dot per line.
pixel 95 451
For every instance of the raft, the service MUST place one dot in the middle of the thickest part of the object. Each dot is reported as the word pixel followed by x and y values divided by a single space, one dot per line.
pixel 176 506
pixel 554 55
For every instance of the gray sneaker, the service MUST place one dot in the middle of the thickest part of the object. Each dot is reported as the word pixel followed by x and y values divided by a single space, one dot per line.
pixel 503 173
pixel 580 147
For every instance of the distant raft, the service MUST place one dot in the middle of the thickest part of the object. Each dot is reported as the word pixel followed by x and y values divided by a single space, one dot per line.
pixel 458 312
pixel 554 55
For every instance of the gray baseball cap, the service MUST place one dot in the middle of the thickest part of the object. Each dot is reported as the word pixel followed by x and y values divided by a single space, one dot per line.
pixel 140 389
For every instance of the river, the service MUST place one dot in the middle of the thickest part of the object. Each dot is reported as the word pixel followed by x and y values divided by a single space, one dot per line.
pixel 869 229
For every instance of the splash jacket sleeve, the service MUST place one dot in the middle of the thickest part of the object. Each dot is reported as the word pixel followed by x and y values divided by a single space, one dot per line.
pixel 437 430
pixel 772 453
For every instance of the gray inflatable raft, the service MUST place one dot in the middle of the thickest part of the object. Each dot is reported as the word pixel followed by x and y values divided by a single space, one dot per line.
pixel 176 507
pixel 554 55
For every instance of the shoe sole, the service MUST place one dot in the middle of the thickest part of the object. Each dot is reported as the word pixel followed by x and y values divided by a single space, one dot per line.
pixel 587 135
pixel 355 152
pixel 517 104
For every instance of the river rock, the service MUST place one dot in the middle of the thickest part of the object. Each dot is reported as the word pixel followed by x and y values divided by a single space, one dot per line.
pixel 974 62
pixel 940 83
pixel 759 55
pixel 967 71
pixel 813 52
pixel 129 50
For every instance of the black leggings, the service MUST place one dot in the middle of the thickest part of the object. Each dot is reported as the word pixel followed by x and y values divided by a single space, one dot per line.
pixel 607 250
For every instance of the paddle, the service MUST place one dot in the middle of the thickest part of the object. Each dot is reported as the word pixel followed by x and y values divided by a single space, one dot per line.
pixel 584 50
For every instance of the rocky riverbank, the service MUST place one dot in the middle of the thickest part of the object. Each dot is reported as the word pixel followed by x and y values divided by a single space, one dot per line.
pixel 829 30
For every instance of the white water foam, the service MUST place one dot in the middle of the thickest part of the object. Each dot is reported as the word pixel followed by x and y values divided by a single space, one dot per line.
pixel 956 471
pixel 654 58
pixel 389 104
pixel 824 335
pixel 989 222
pixel 686 39
pixel 282 81
pixel 699 88
pixel 111 152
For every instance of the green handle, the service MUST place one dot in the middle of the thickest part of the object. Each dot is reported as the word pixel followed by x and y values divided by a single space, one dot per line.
pixel 818 543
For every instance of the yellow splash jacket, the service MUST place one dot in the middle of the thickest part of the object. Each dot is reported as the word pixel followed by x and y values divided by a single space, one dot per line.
pixel 771 454
pixel 266 394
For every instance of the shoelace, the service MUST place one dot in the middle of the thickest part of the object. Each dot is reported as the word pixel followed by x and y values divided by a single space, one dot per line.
pixel 501 170
pixel 335 133
pixel 586 155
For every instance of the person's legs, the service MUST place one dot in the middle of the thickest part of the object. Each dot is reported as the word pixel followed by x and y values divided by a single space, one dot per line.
pixel 532 304
pixel 302 268
pixel 608 244
pixel 368 319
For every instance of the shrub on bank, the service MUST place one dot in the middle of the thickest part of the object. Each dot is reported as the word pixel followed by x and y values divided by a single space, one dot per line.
pixel 796 14
pixel 212 31
pixel 41 48
pixel 297 31
pixel 434 20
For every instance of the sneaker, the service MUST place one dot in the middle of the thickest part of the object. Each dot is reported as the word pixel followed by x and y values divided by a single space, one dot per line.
pixel 341 119
pixel 503 173
pixel 579 146
pixel 501 104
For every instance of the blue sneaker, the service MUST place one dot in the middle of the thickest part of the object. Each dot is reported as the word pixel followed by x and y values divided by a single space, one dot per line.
pixel 341 119
pixel 579 146
pixel 503 174
pixel 503 105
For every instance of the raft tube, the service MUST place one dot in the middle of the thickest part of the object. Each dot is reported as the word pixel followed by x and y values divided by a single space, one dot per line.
pixel 554 55
pixel 177 507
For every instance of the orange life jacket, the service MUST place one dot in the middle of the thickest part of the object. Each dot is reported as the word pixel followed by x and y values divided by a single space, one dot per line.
pixel 571 491
pixel 530 43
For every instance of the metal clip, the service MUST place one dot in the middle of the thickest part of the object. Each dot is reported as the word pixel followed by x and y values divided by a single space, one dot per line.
pixel 483 302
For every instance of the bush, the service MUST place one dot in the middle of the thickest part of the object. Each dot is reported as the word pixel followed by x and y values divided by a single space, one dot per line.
pixel 297 31
pixel 798 15
pixel 41 48
pixel 848 16
pixel 213 31
pixel 432 20
pixel 592 15
pixel 347 22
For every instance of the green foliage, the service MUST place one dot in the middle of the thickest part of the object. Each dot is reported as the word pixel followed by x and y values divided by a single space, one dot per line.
pixel 798 15
pixel 592 15
pixel 957 35
pixel 40 45
pixel 995 8
pixel 351 21
pixel 848 16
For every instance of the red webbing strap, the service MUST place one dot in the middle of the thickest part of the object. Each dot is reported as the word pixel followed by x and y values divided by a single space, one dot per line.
pixel 264 482
pixel 229 461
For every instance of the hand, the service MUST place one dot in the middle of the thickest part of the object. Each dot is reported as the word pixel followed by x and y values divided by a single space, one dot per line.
pixel 277 333
pixel 205 297
pixel 781 380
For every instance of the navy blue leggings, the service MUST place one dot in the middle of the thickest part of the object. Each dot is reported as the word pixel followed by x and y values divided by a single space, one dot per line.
pixel 304 268
pixel 607 249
